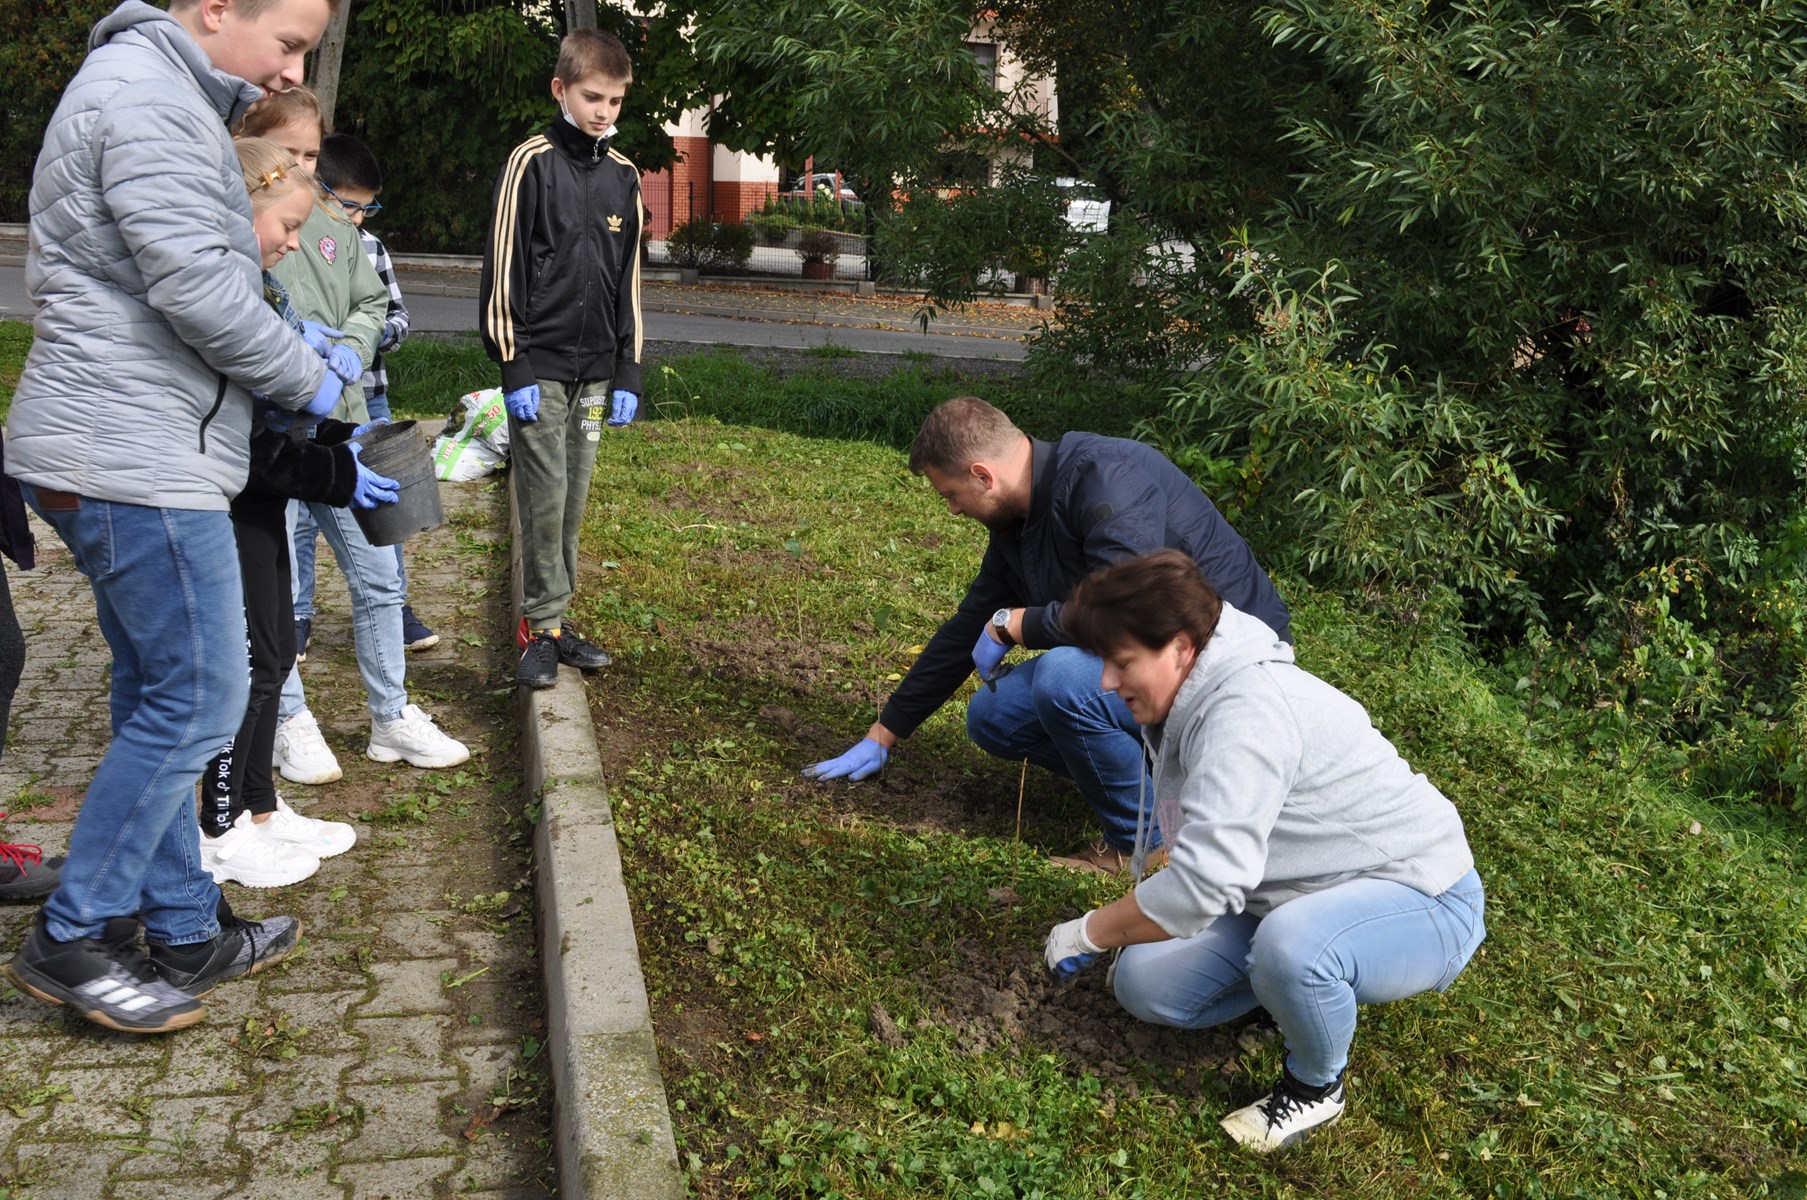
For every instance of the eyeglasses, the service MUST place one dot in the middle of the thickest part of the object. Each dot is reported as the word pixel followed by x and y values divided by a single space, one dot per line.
pixel 351 206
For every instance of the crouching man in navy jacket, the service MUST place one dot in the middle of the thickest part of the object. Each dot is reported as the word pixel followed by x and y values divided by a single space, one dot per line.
pixel 1057 511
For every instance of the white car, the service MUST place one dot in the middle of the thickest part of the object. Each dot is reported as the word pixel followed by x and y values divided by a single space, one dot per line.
pixel 1087 209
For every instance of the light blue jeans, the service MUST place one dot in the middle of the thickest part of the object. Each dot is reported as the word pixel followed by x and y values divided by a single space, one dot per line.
pixel 304 537
pixel 1309 963
pixel 170 602
pixel 1052 711
pixel 376 613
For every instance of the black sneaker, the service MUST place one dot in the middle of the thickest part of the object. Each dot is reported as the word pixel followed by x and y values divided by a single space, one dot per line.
pixel 304 629
pixel 106 979
pixel 574 651
pixel 241 948
pixel 416 633
pixel 25 874
pixel 539 662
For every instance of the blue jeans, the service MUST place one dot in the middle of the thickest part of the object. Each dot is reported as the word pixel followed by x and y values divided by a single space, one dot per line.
pixel 1051 711
pixel 305 538
pixel 1309 963
pixel 169 601
pixel 376 613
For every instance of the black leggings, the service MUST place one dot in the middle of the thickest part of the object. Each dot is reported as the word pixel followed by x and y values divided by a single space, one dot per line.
pixel 12 655
pixel 241 778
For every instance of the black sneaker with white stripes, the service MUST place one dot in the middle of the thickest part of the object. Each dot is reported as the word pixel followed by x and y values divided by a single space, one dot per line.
pixel 107 979
pixel 241 948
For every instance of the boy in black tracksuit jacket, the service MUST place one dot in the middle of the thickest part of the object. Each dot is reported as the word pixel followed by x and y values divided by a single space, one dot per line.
pixel 560 295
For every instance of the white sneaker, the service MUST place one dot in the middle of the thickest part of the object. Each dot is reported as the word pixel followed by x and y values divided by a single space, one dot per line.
pixel 322 839
pixel 302 755
pixel 413 737
pixel 1284 1116
pixel 244 855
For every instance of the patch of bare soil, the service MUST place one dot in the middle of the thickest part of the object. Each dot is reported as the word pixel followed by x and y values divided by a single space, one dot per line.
pixel 993 997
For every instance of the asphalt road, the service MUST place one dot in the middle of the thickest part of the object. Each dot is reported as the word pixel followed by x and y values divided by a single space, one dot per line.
pixel 458 314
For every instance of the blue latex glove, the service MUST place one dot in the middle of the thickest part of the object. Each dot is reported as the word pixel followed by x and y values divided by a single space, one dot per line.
pixel 523 404
pixel 627 406
pixel 319 338
pixel 863 760
pixel 1068 951
pixel 331 387
pixel 277 419
pixel 372 488
pixel 344 362
pixel 988 652
pixel 367 426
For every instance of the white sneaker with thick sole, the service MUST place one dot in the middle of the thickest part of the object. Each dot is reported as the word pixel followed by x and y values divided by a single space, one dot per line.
pixel 414 739
pixel 244 855
pixel 1284 1116
pixel 322 839
pixel 302 755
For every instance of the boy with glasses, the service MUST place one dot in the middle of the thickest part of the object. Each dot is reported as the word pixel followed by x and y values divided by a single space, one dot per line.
pixel 330 280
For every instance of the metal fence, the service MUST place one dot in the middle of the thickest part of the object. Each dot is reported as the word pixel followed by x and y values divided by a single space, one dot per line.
pixel 686 231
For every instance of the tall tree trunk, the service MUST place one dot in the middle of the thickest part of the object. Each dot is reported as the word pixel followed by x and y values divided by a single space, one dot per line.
pixel 324 78
pixel 580 14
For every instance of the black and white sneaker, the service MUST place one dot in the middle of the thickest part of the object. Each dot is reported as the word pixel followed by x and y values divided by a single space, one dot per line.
pixel 1261 1031
pixel 1292 1112
pixel 241 948
pixel 106 979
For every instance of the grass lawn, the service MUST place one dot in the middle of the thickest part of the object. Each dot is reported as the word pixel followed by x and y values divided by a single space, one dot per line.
pixel 846 978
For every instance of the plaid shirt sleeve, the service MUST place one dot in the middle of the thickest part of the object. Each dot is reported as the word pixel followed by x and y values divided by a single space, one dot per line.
pixel 395 322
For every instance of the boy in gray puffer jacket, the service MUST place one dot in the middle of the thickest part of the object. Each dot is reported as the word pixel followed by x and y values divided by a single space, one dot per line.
pixel 129 431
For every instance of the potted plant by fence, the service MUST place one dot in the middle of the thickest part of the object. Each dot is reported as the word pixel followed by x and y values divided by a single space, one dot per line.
pixel 820 250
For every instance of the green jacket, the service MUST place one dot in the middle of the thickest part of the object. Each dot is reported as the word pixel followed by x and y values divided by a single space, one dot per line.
pixel 330 280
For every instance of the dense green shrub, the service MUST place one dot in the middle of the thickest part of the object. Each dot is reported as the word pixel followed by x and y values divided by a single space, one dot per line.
pixel 815 244
pixel 41 45
pixel 818 209
pixel 700 244
pixel 1528 335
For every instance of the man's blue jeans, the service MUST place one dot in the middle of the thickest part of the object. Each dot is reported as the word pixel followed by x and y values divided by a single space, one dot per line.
pixel 171 605
pixel 1051 711
pixel 376 613
pixel 1309 963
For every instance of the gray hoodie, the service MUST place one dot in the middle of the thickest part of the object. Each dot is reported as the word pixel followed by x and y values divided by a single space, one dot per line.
pixel 151 323
pixel 1270 784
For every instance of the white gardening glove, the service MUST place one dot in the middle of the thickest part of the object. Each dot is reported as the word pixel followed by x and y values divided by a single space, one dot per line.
pixel 1068 951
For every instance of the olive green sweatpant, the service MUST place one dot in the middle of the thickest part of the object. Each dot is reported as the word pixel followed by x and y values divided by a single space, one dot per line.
pixel 552 459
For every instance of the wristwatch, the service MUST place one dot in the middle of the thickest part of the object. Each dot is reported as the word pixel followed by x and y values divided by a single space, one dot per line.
pixel 1000 625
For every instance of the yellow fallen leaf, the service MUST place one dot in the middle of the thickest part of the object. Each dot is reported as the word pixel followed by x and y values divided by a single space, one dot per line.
pixel 913 650
pixel 893 677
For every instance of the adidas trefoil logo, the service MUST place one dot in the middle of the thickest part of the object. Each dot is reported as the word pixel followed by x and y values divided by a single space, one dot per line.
pixel 614 224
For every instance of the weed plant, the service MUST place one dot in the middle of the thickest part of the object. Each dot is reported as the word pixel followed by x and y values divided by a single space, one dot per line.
pixel 1631 1028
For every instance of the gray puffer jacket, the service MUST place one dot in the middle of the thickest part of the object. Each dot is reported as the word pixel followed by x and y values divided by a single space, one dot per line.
pixel 1270 784
pixel 151 323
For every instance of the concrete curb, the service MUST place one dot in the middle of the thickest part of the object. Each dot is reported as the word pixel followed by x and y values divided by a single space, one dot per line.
pixel 611 1118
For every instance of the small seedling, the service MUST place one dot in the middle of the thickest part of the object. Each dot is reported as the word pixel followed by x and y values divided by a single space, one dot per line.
pixel 273 1039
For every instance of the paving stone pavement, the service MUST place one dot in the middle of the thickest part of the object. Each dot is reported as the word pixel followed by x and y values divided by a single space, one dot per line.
pixel 398 1053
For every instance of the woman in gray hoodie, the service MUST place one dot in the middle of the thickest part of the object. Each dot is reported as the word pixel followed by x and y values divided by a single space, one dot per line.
pixel 1310 869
